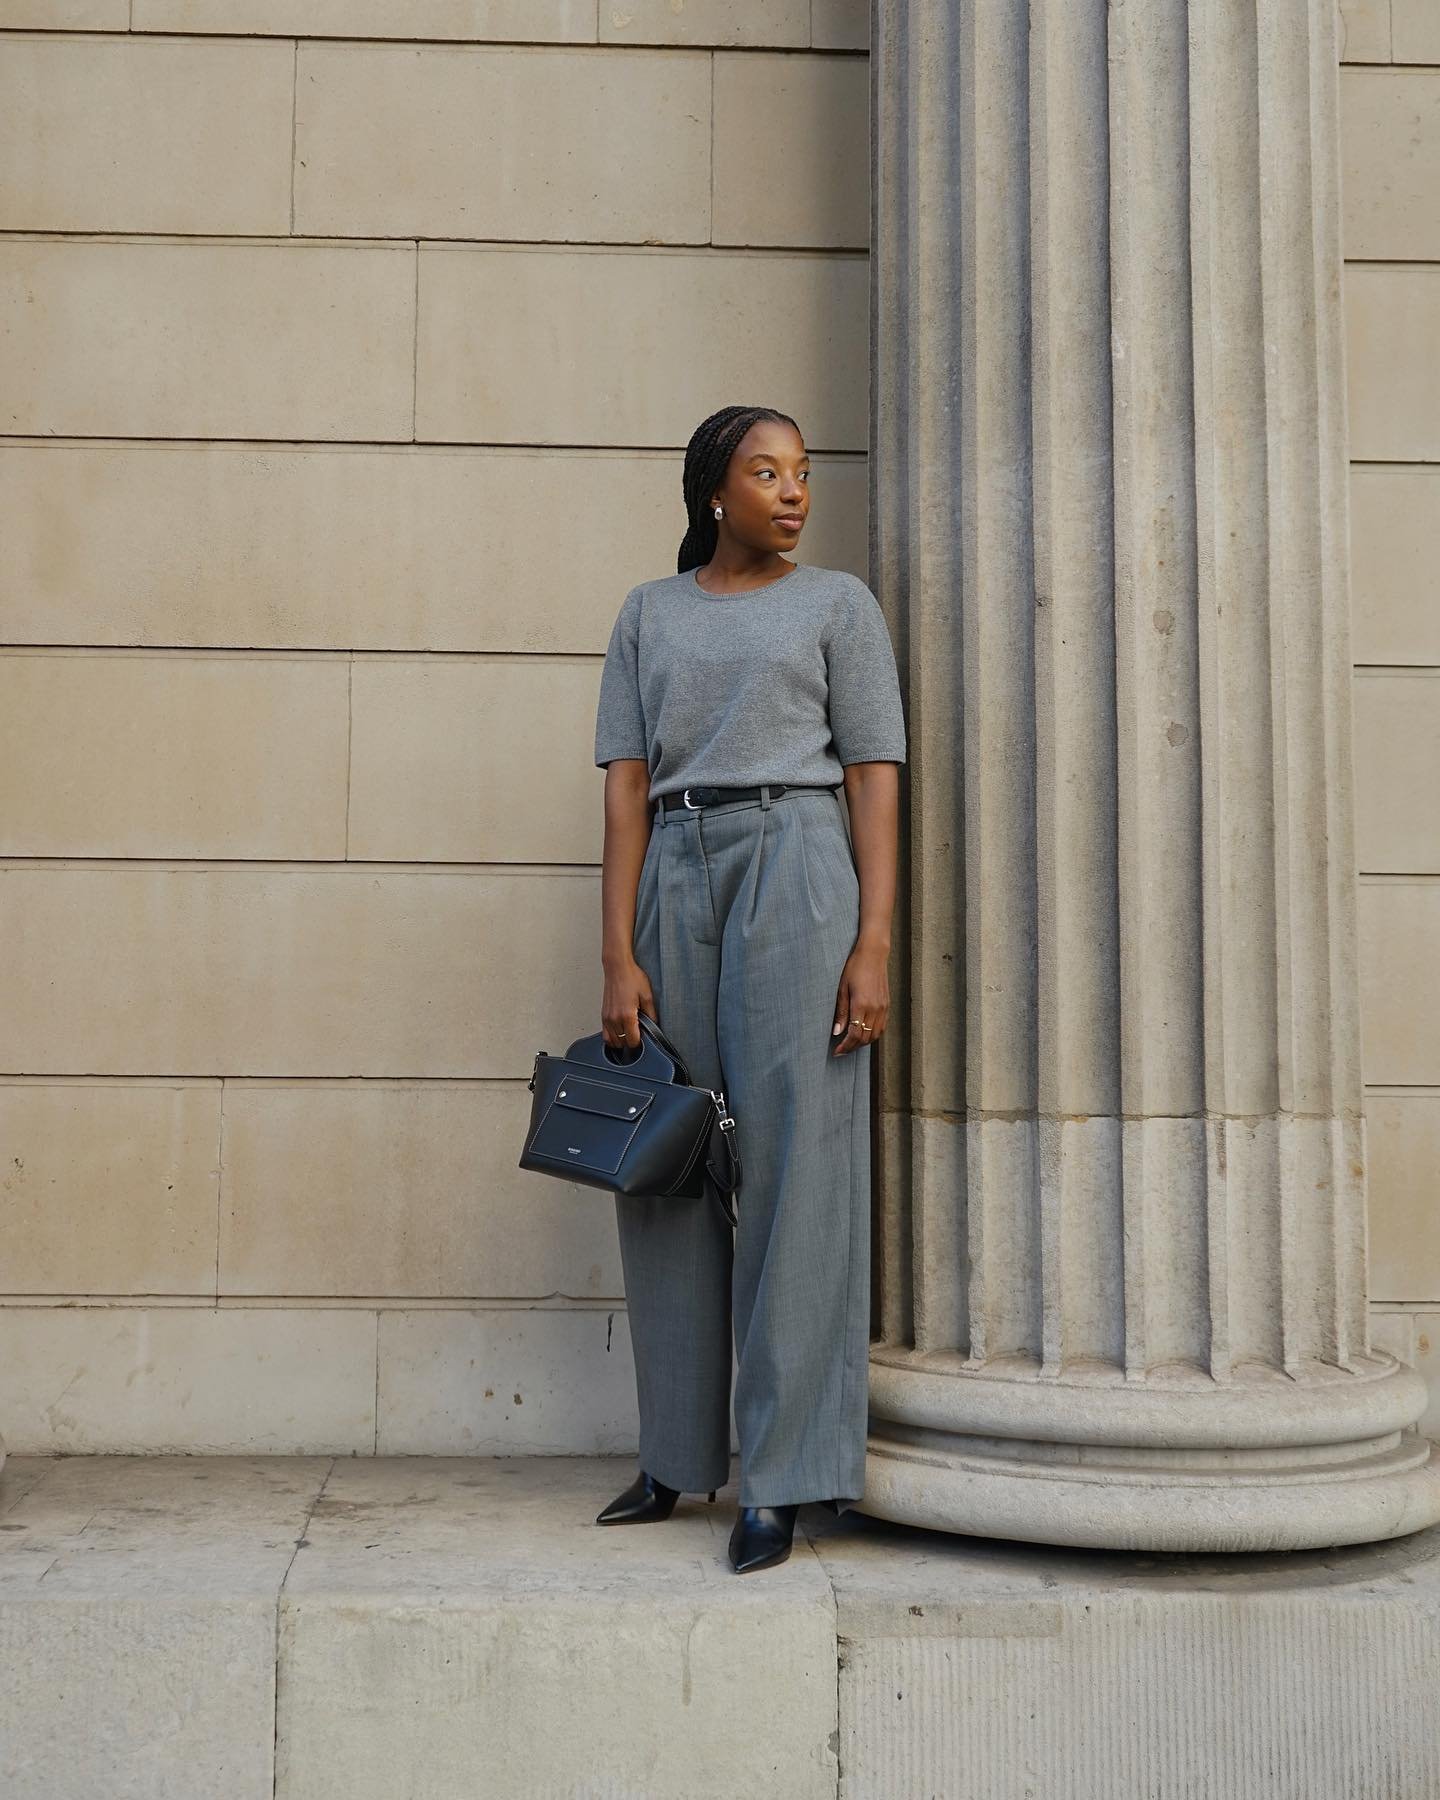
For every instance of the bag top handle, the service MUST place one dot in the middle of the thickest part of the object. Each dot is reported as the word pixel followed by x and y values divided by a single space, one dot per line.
pixel 657 1058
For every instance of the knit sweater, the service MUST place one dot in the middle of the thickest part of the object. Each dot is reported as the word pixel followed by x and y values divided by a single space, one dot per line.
pixel 785 683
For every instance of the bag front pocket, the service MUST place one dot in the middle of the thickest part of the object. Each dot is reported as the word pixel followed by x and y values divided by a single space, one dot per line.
pixel 590 1123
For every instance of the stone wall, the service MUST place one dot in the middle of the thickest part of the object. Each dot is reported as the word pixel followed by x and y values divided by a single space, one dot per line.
pixel 345 389
pixel 343 386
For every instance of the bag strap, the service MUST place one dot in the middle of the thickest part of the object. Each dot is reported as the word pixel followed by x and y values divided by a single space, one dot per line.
pixel 682 1070
pixel 727 1175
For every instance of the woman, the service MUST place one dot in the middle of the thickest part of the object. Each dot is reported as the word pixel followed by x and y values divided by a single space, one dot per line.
pixel 737 696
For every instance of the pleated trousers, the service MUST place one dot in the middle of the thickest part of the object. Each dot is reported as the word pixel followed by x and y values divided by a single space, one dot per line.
pixel 745 914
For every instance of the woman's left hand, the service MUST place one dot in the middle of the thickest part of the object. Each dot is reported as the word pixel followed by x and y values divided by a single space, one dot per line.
pixel 865 995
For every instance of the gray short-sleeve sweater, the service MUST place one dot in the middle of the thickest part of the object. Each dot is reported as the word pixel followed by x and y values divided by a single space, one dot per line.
pixel 788 682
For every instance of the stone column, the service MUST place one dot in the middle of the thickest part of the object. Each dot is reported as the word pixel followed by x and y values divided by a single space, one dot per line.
pixel 1120 1263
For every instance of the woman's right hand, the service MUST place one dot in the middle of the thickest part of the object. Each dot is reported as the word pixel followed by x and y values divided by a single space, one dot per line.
pixel 627 992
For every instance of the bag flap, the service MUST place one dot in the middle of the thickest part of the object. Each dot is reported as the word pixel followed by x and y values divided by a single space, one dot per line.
pixel 627 1103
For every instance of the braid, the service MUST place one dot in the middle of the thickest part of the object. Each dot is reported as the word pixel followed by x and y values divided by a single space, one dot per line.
pixel 707 457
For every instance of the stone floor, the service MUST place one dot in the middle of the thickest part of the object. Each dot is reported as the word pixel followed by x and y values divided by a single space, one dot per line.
pixel 250 1627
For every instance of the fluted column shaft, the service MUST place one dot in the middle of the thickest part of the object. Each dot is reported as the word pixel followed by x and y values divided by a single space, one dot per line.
pixel 1121 1260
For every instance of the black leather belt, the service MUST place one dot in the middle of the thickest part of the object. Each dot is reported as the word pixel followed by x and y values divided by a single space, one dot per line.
pixel 695 797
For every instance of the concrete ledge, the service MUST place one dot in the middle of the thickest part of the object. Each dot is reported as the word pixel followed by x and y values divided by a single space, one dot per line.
pixel 441 1627
pixel 463 1627
pixel 1008 1671
pixel 236 1627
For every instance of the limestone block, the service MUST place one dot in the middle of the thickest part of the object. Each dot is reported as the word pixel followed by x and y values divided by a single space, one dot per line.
pixel 476 761
pixel 301 971
pixel 974 1668
pixel 1392 324
pixel 812 114
pixel 1427 1361
pixel 143 1663
pixel 1390 140
pixel 134 134
pixel 1403 1146
pixel 1399 959
pixel 393 549
pixel 1416 31
pixel 1365 30
pixel 174 755
pixel 461 1627
pixel 653 341
pixel 1397 752
pixel 207 339
pixel 1394 552
pixel 109 1187
pixel 459 142
pixel 840 24
pixel 773 24
pixel 135 1380
pixel 500 1381
pixel 63 15
pixel 537 21
pixel 1393 1331
pixel 401 1189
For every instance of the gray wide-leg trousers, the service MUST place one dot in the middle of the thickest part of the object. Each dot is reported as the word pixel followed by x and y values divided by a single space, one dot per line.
pixel 745 914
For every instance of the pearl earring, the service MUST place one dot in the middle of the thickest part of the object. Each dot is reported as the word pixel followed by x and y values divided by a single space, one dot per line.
pixel 719 512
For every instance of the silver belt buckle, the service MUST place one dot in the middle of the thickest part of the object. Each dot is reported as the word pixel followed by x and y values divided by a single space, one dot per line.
pixel 694 805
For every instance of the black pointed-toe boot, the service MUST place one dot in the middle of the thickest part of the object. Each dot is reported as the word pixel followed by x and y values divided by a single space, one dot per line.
pixel 644 1501
pixel 762 1536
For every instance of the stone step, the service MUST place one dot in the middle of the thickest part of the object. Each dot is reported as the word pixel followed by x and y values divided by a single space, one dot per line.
pixel 240 1626
pixel 291 1628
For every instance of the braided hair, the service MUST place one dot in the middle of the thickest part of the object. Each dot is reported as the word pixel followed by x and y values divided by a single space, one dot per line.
pixel 707 457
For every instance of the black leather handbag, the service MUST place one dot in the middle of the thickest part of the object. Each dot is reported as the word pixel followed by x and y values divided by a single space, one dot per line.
pixel 635 1126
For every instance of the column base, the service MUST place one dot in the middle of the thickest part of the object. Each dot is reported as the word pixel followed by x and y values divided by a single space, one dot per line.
pixel 1185 1465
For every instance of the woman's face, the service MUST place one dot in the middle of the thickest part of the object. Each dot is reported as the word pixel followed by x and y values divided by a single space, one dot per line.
pixel 766 491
